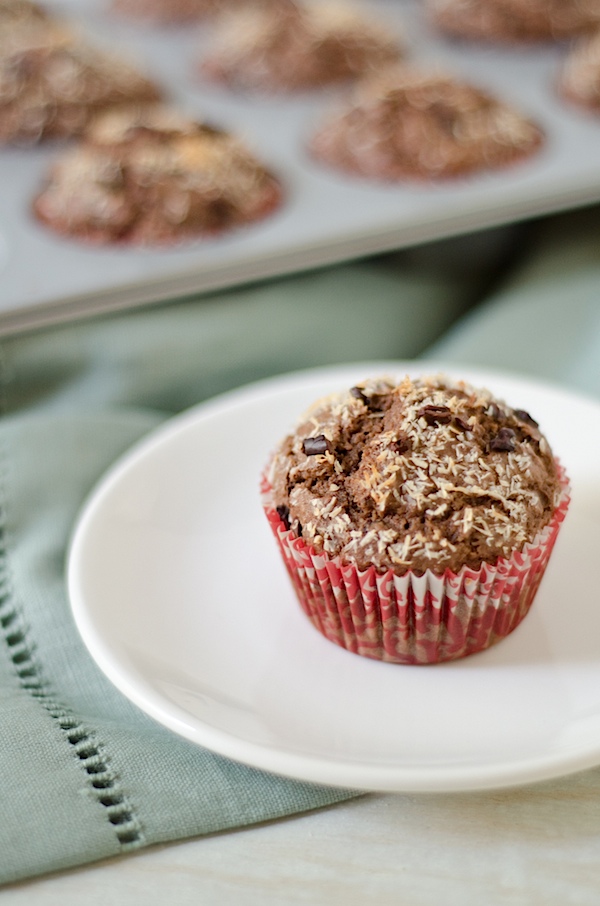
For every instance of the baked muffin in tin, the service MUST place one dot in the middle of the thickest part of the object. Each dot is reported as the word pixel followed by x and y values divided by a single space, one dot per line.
pixel 409 123
pixel 514 21
pixel 294 46
pixel 53 81
pixel 150 175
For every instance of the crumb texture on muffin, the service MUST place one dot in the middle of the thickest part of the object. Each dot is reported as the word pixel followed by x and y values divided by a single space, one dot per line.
pixel 424 474
pixel 15 12
pixel 53 82
pixel 409 123
pixel 291 45
pixel 515 21
pixel 152 175
pixel 163 12
pixel 579 80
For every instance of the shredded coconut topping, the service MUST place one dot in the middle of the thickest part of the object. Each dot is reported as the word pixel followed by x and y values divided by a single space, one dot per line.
pixel 580 77
pixel 16 12
pixel 407 123
pixel 426 484
pixel 291 45
pixel 169 11
pixel 151 174
pixel 515 20
pixel 53 82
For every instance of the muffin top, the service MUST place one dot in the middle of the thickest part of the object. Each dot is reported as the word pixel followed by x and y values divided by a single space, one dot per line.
pixel 425 474
pixel 514 21
pixel 579 80
pixel 14 12
pixel 291 45
pixel 410 122
pixel 53 82
pixel 150 174
pixel 165 12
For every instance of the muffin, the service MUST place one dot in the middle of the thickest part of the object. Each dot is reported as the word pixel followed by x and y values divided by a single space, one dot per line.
pixel 415 519
pixel 514 21
pixel 52 82
pixel 15 12
pixel 290 46
pixel 579 80
pixel 153 176
pixel 407 123
pixel 171 12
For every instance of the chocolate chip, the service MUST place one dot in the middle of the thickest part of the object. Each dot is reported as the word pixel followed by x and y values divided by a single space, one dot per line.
pixel 496 412
pixel 209 130
pixel 435 415
pixel 284 514
pixel 400 445
pixel 313 446
pixel 461 423
pixel 504 441
pixel 359 395
pixel 372 402
pixel 525 417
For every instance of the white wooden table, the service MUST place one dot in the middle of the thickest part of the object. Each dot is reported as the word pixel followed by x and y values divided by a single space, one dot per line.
pixel 535 845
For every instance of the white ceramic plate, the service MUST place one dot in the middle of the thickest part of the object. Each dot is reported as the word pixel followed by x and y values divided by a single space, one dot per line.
pixel 326 217
pixel 178 591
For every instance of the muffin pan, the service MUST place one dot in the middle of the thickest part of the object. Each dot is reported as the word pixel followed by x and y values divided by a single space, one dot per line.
pixel 326 217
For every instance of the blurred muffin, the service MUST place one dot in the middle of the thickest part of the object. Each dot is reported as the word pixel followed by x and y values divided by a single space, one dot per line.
pixel 166 12
pixel 289 46
pixel 579 80
pixel 514 21
pixel 52 82
pixel 410 124
pixel 15 12
pixel 153 176
pixel 415 518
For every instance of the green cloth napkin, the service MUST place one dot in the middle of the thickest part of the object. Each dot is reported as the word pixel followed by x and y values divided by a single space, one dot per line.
pixel 542 317
pixel 85 775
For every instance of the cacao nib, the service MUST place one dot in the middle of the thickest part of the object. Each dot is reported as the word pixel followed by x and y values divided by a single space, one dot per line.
pixel 504 441
pixel 400 445
pixel 284 514
pixel 524 416
pixel 357 393
pixel 313 446
pixel 461 423
pixel 435 415
pixel 496 412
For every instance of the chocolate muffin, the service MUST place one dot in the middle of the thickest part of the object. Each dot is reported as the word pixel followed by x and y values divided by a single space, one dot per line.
pixel 15 12
pixel 514 21
pixel 52 82
pixel 290 46
pixel 171 12
pixel 425 512
pixel 579 80
pixel 410 124
pixel 153 176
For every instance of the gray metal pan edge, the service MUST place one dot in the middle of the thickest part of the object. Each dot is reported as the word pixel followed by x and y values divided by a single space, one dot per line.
pixel 326 217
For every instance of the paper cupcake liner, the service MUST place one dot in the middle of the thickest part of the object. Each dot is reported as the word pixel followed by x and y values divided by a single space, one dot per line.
pixel 414 619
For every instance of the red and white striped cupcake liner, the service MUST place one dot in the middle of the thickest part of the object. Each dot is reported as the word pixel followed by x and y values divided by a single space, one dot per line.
pixel 415 619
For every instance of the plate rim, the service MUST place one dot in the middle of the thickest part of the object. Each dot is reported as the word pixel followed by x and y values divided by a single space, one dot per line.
pixel 299 766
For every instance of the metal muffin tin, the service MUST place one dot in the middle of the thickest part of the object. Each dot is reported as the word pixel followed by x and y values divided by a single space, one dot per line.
pixel 326 217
